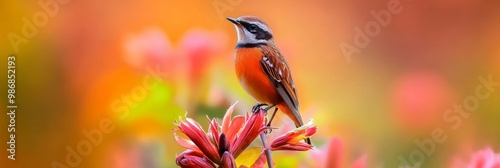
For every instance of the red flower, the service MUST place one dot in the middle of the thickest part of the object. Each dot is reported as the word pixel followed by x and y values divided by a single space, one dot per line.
pixel 221 144
pixel 485 158
pixel 294 139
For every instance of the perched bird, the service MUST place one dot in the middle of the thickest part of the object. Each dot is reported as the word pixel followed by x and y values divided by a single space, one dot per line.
pixel 262 70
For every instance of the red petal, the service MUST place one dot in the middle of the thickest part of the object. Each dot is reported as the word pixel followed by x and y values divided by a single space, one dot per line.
pixel 234 128
pixel 311 131
pixel 282 140
pixel 214 131
pixel 192 159
pixel 186 143
pixel 194 131
pixel 227 118
pixel 334 154
pixel 293 147
pixel 252 129
pixel 292 139
pixel 227 161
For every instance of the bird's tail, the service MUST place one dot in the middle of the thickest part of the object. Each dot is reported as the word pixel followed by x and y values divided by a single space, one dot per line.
pixel 294 115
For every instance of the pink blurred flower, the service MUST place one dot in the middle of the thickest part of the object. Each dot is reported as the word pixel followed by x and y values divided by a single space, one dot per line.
pixel 126 157
pixel 195 52
pixel 419 98
pixel 485 158
pixel 200 46
pixel 331 156
pixel 147 47
pixel 360 163
pixel 199 50
pixel 334 154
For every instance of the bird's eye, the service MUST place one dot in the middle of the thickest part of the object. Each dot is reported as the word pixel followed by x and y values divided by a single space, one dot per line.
pixel 253 28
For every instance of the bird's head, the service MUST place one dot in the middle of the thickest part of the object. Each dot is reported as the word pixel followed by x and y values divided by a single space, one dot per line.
pixel 252 30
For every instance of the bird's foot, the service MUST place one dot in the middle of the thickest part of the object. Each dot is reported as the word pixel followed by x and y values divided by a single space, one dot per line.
pixel 269 107
pixel 268 125
pixel 257 108
pixel 269 129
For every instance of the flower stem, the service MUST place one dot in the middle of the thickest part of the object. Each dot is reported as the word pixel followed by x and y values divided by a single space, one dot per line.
pixel 267 150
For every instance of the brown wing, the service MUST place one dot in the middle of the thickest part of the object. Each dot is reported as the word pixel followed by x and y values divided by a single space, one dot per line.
pixel 276 68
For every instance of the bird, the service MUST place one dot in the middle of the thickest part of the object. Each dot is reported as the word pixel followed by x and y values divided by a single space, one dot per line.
pixel 262 70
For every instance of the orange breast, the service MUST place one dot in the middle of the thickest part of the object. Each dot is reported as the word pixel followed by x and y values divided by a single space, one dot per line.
pixel 253 78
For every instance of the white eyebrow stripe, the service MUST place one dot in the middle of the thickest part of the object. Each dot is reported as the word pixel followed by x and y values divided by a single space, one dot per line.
pixel 262 26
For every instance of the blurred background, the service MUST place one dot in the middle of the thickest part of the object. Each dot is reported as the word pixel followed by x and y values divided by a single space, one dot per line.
pixel 110 78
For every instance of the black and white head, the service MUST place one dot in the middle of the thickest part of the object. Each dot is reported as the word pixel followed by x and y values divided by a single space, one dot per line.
pixel 251 30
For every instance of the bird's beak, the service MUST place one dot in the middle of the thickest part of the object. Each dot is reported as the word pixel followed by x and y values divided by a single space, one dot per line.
pixel 234 21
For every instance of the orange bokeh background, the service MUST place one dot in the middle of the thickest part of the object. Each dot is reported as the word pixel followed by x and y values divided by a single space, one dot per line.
pixel 142 65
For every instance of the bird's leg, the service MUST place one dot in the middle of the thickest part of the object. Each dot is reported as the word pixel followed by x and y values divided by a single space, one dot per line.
pixel 269 107
pixel 256 108
pixel 271 120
